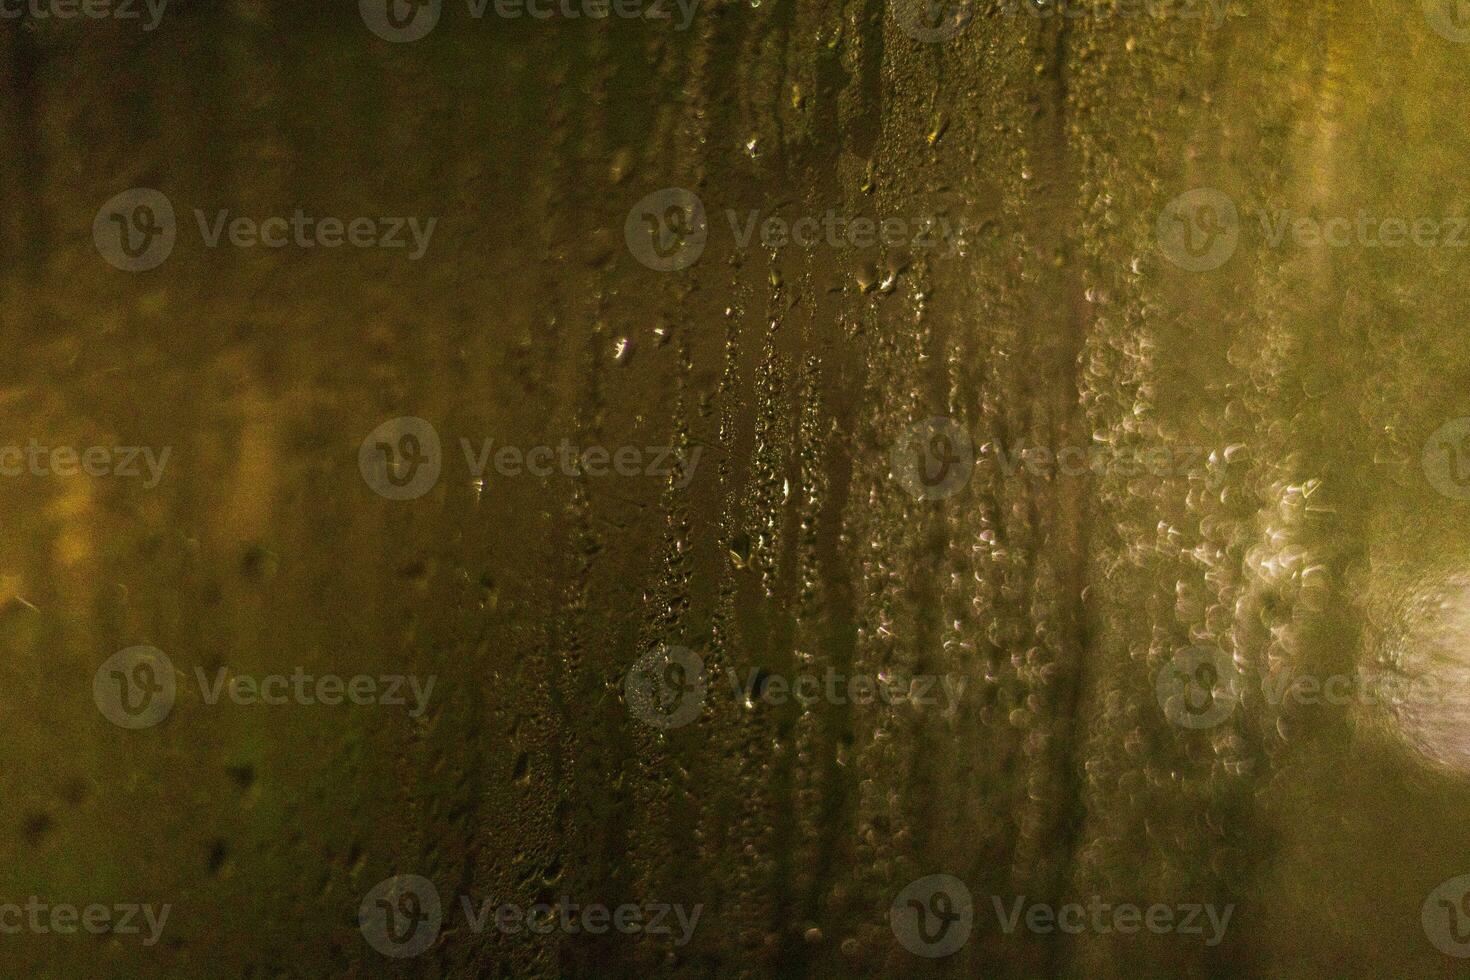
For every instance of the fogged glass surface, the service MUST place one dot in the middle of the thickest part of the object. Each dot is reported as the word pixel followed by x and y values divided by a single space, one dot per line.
pixel 735 489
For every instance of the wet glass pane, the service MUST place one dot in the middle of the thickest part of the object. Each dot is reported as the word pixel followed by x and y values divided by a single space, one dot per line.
pixel 734 488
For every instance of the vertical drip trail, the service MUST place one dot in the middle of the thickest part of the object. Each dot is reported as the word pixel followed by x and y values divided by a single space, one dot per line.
pixel 586 770
pixel 1060 798
pixel 886 529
